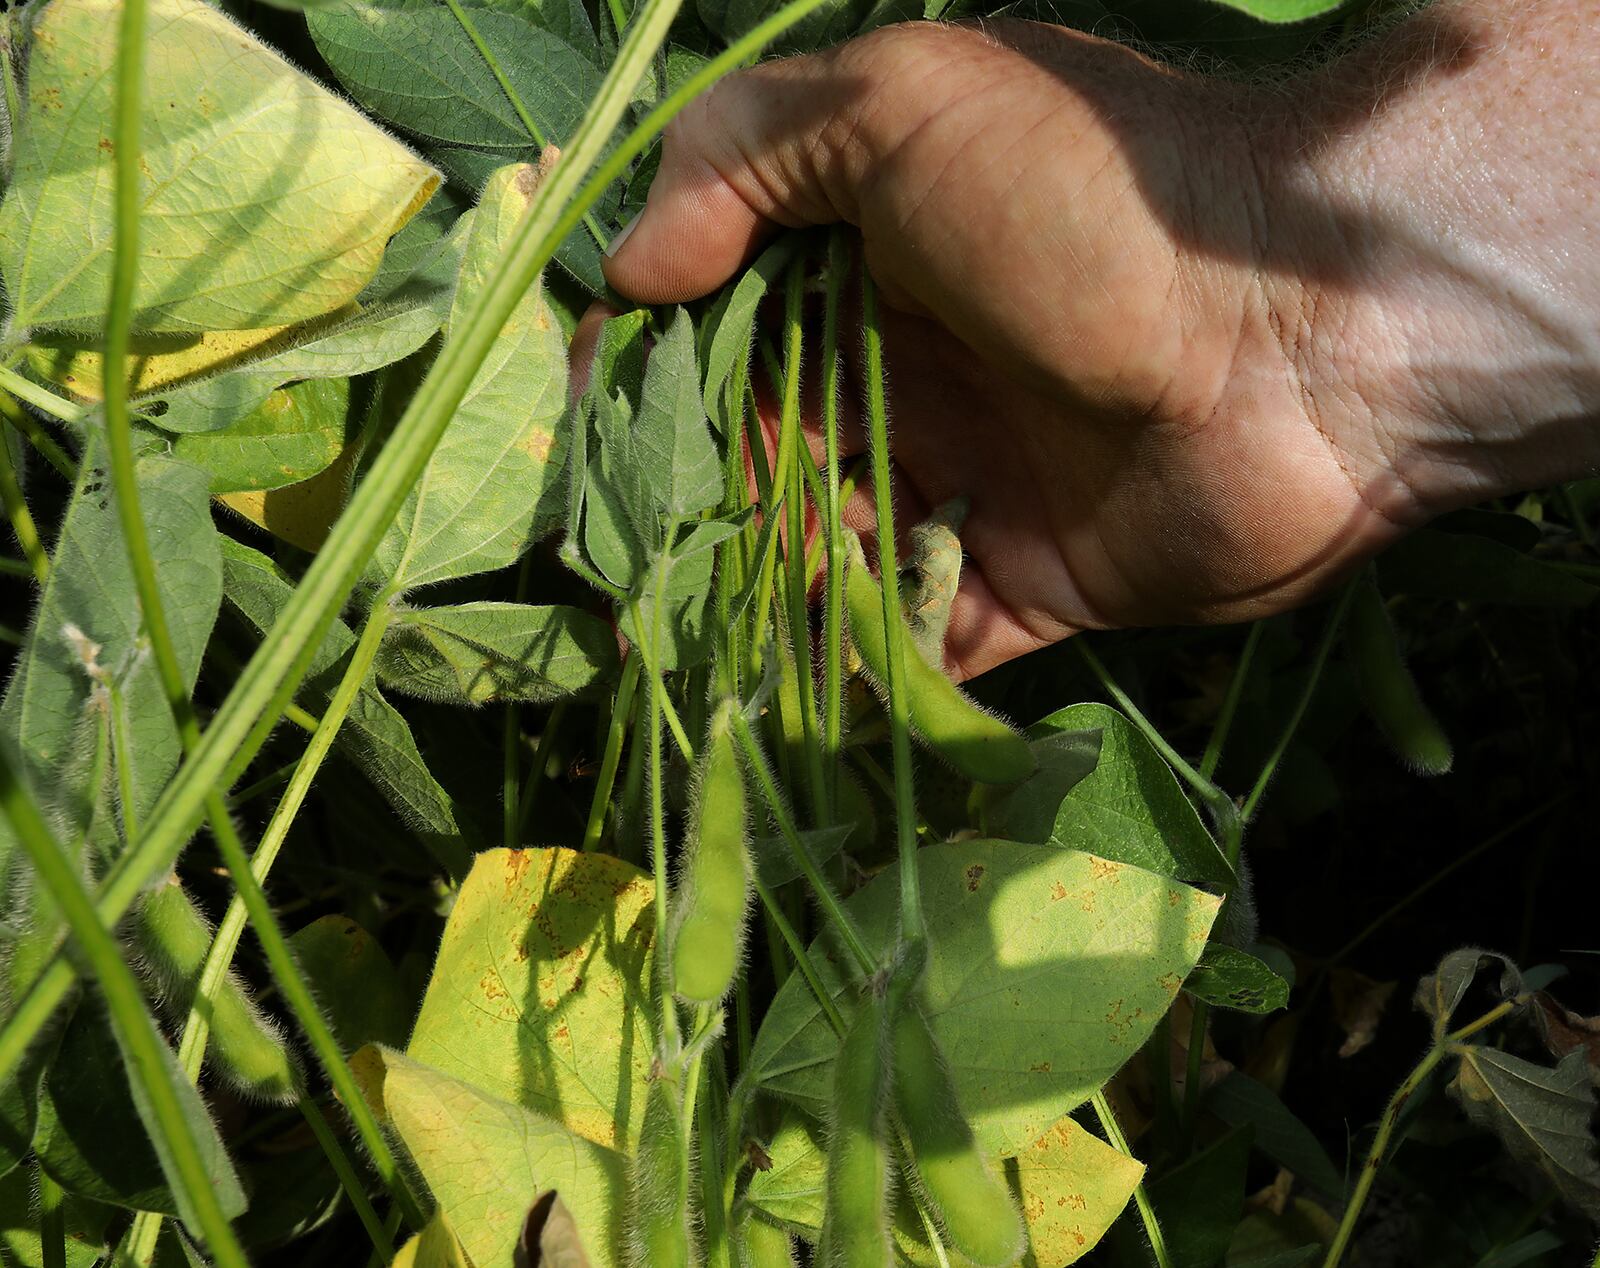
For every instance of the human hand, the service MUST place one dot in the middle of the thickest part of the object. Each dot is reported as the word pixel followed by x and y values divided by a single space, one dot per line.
pixel 1191 350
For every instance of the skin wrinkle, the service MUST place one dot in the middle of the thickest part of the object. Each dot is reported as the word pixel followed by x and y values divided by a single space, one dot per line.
pixel 1193 347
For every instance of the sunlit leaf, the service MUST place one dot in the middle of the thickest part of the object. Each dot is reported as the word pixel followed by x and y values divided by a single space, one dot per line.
pixel 493 484
pixel 1009 924
pixel 291 436
pixel 541 992
pixel 265 198
pixel 485 1159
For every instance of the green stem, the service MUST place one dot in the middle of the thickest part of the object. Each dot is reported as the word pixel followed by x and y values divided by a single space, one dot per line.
pixel 35 435
pixel 1141 1199
pixel 658 840
pixel 196 1029
pixel 833 598
pixel 268 682
pixel 795 549
pixel 1375 1155
pixel 911 921
pixel 1330 634
pixel 149 1062
pixel 22 525
pixel 826 898
pixel 46 400
pixel 52 1219
pixel 528 798
pixel 298 998
pixel 1230 703
pixel 616 733
pixel 382 1239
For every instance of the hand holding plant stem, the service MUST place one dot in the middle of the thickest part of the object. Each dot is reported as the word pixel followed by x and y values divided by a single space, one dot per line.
pixel 1116 318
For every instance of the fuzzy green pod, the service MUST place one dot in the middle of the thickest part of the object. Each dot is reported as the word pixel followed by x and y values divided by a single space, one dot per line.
pixel 968 1196
pixel 1387 688
pixel 714 887
pixel 977 744
pixel 174 939
pixel 855 1222
pixel 658 1210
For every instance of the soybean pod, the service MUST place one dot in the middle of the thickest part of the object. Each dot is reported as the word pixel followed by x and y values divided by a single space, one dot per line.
pixel 714 887
pixel 976 743
pixel 1387 688
pixel 658 1212
pixel 174 939
pixel 855 1224
pixel 967 1195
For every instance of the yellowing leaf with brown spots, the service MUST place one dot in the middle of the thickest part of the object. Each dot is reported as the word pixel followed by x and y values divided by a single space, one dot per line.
pixel 265 199
pixel 1047 970
pixel 485 1161
pixel 541 994
pixel 494 483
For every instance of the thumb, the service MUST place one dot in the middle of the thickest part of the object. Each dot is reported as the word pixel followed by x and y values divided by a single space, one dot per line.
pixel 785 144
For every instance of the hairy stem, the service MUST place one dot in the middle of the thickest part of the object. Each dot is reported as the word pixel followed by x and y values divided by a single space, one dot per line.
pixel 149 1061
pixel 905 804
pixel 1141 1199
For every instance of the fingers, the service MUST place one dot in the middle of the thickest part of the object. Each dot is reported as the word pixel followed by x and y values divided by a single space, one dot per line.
pixel 788 143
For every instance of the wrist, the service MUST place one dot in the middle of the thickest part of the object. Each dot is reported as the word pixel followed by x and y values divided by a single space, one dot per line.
pixel 1438 279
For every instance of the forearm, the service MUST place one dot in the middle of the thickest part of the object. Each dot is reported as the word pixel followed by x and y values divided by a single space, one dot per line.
pixel 1440 189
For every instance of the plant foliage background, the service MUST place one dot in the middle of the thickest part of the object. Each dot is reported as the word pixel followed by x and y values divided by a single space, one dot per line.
pixel 454 1035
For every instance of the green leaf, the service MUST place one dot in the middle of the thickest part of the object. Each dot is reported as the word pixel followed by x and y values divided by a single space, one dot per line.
pixel 674 610
pixel 266 199
pixel 355 982
pixel 1070 1186
pixel 202 383
pixel 1227 977
pixel 733 322
pixel 541 992
pixel 374 736
pixel 474 653
pixel 1441 992
pixel 434 1247
pixel 677 458
pixel 295 433
pixel 1543 1117
pixel 1279 11
pixel 1010 924
pixel 86 640
pixel 1458 567
pixel 493 483
pixel 19 1227
pixel 620 528
pixel 96 1136
pixel 1131 807
pixel 1027 811
pixel 1200 1202
pixel 1238 1100
pixel 484 1159
pixel 411 62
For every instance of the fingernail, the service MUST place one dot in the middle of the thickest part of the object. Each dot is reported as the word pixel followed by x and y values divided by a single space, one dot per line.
pixel 616 242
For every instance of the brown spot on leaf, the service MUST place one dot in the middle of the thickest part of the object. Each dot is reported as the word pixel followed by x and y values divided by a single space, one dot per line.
pixel 974 875
pixel 1058 891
